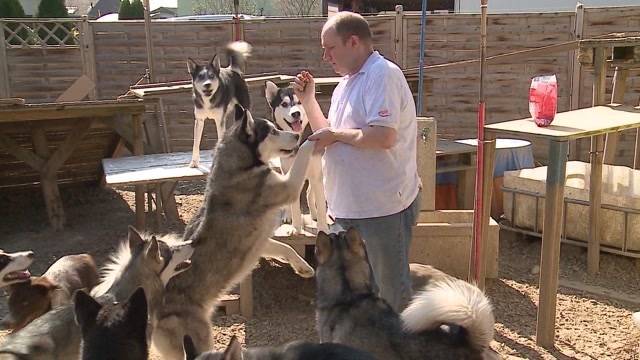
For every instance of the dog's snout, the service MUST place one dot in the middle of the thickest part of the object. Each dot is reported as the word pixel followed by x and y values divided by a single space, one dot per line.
pixel 30 254
pixel 207 85
pixel 297 136
pixel 296 114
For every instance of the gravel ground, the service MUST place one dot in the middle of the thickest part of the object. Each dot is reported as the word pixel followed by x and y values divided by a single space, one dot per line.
pixel 588 326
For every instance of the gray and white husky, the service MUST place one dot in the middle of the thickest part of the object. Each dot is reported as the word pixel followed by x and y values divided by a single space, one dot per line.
pixel 450 319
pixel 289 115
pixel 216 90
pixel 296 350
pixel 232 228
pixel 140 262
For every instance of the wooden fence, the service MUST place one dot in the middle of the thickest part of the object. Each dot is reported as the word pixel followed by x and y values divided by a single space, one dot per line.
pixel 114 56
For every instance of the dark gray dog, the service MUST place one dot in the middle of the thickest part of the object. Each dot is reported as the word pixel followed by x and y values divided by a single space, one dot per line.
pixel 297 350
pixel 451 319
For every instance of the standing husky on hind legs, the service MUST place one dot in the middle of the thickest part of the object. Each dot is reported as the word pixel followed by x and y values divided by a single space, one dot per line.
pixel 231 231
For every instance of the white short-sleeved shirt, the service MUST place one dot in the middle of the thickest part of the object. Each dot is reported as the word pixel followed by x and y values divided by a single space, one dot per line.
pixel 364 183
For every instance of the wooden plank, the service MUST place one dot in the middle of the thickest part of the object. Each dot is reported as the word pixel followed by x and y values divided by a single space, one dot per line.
pixel 574 124
pixel 485 217
pixel 550 257
pixel 11 101
pixel 617 97
pixel 576 74
pixel 82 109
pixel 398 38
pixel 78 90
pixel 155 168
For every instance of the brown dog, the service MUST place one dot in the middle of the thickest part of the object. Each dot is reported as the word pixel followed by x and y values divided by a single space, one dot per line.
pixel 30 299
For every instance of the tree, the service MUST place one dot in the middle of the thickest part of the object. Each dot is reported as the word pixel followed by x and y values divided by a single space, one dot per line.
pixel 52 9
pixel 137 10
pixel 299 7
pixel 203 7
pixel 11 9
pixel 124 11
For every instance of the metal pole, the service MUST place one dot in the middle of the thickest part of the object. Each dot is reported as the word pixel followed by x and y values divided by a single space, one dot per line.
pixel 421 65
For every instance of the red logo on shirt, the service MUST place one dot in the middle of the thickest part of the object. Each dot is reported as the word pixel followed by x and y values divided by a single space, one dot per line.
pixel 384 113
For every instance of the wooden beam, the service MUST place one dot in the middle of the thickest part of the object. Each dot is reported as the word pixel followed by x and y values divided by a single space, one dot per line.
pixel 78 90
pixel 62 153
pixel 20 153
pixel 88 54
pixel 576 76
pixel 49 181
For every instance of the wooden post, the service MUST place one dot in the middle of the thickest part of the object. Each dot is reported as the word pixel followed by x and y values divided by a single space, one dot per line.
pixel 149 40
pixel 576 71
pixel 597 148
pixel 246 297
pixel 398 42
pixel 5 89
pixel 617 97
pixel 138 149
pixel 487 191
pixel 426 154
pixel 48 181
pixel 550 258
pixel 88 54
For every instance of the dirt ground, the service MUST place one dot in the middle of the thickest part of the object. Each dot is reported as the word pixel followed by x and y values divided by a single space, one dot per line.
pixel 588 326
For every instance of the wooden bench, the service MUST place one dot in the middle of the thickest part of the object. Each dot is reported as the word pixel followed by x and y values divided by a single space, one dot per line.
pixel 158 172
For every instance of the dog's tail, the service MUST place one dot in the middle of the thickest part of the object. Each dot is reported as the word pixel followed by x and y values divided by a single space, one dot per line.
pixel 237 52
pixel 452 302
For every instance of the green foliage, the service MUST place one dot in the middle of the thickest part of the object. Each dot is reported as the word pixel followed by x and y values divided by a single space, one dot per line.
pixel 52 9
pixel 11 9
pixel 137 10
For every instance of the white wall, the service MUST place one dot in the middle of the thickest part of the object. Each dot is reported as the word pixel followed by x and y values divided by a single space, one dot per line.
pixel 498 6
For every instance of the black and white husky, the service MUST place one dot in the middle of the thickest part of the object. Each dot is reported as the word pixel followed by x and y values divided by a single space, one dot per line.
pixel 216 90
pixel 289 115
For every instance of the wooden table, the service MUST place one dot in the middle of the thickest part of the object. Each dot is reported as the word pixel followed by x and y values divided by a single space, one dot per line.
pixel 593 122
pixel 81 116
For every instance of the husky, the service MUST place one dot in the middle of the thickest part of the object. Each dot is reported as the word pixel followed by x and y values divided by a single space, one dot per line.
pixel 451 319
pixel 296 350
pixel 113 331
pixel 289 115
pixel 139 262
pixel 231 230
pixel 13 267
pixel 216 90
pixel 30 299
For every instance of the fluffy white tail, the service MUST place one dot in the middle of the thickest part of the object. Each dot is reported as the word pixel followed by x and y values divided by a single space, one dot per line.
pixel 453 302
pixel 636 318
pixel 238 52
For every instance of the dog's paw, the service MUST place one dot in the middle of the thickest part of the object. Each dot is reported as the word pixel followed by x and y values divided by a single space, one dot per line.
pixel 303 270
pixel 288 230
pixel 194 163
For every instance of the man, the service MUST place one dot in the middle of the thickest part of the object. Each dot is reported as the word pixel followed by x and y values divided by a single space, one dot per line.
pixel 369 139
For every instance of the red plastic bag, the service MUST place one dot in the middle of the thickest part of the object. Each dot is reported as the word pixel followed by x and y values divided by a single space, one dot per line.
pixel 543 99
